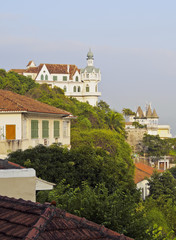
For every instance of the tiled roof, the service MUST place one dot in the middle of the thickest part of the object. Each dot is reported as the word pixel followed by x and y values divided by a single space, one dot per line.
pixel 142 171
pixel 26 220
pixel 5 164
pixel 10 101
pixel 29 63
pixel 19 71
pixel 55 69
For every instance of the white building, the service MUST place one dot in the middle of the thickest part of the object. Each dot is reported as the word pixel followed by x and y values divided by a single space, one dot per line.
pixel 149 119
pixel 25 122
pixel 81 84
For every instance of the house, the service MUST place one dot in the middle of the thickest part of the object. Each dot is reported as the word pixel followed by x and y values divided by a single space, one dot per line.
pixel 148 119
pixel 27 220
pixel 81 84
pixel 164 131
pixel 25 122
pixel 19 182
pixel 144 122
pixel 143 171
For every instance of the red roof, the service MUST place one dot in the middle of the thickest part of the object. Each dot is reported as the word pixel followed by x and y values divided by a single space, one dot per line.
pixel 20 219
pixel 53 69
pixel 142 171
pixel 10 101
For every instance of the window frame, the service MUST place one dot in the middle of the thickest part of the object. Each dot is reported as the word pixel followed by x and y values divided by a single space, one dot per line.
pixel 45 129
pixel 56 129
pixel 34 127
pixel 64 78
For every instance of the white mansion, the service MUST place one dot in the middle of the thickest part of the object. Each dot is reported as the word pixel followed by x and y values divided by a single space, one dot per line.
pixel 81 84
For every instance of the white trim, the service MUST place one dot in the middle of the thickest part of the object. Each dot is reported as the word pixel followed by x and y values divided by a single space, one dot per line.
pixel 17 173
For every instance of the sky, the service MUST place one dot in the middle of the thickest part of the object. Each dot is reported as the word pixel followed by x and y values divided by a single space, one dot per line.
pixel 133 41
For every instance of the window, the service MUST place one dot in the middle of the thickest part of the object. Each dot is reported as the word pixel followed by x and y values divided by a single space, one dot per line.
pixel 64 78
pixel 74 89
pixel 42 77
pixel 56 129
pixel 76 79
pixel 46 77
pixel 45 129
pixel 34 128
pixel 54 78
pixel 65 88
pixel 96 88
pixel 87 88
pixel 79 89
pixel 65 128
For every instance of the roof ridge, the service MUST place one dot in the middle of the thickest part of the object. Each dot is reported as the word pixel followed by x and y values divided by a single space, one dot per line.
pixel 41 223
pixel 13 101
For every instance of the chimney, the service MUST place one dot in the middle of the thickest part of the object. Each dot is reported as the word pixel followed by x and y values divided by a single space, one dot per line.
pixel 68 68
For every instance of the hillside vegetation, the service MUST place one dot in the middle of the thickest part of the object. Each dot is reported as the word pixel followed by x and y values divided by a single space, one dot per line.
pixel 95 178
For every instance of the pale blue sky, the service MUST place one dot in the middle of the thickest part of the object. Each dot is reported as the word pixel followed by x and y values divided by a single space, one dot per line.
pixel 133 41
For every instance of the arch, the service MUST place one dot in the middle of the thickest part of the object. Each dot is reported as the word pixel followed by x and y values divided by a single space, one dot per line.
pixel 87 88
pixel 74 89
pixel 79 89
pixel 65 88
pixel 46 77
pixel 42 77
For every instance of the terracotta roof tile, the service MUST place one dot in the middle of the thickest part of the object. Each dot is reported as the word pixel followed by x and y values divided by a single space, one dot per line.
pixel 142 171
pixel 52 68
pixel 19 71
pixel 10 101
pixel 26 220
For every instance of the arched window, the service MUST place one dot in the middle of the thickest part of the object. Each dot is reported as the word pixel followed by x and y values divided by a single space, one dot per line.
pixel 79 89
pixel 65 88
pixel 46 77
pixel 76 79
pixel 87 88
pixel 42 77
pixel 96 88
pixel 74 89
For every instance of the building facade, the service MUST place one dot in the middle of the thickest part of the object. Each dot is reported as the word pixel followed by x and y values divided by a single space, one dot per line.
pixel 149 120
pixel 25 122
pixel 81 84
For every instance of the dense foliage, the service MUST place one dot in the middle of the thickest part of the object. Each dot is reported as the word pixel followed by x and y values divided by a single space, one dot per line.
pixel 155 146
pixel 95 178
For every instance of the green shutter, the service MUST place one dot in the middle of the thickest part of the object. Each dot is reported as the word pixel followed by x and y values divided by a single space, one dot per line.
pixel 34 128
pixel 64 78
pixel 45 129
pixel 54 78
pixel 56 129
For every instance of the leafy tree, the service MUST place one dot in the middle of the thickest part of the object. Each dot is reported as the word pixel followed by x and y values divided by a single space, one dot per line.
pixel 128 112
pixel 162 185
pixel 117 210
pixel 155 146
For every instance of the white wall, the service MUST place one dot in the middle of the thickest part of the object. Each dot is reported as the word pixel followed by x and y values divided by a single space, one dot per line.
pixel 10 119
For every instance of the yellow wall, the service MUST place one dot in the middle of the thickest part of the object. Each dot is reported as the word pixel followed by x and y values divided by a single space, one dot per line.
pixel 18 187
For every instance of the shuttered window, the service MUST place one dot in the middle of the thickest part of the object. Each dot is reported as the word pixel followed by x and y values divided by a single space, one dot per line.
pixel 34 128
pixel 65 128
pixel 45 129
pixel 10 132
pixel 56 129
pixel 64 78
